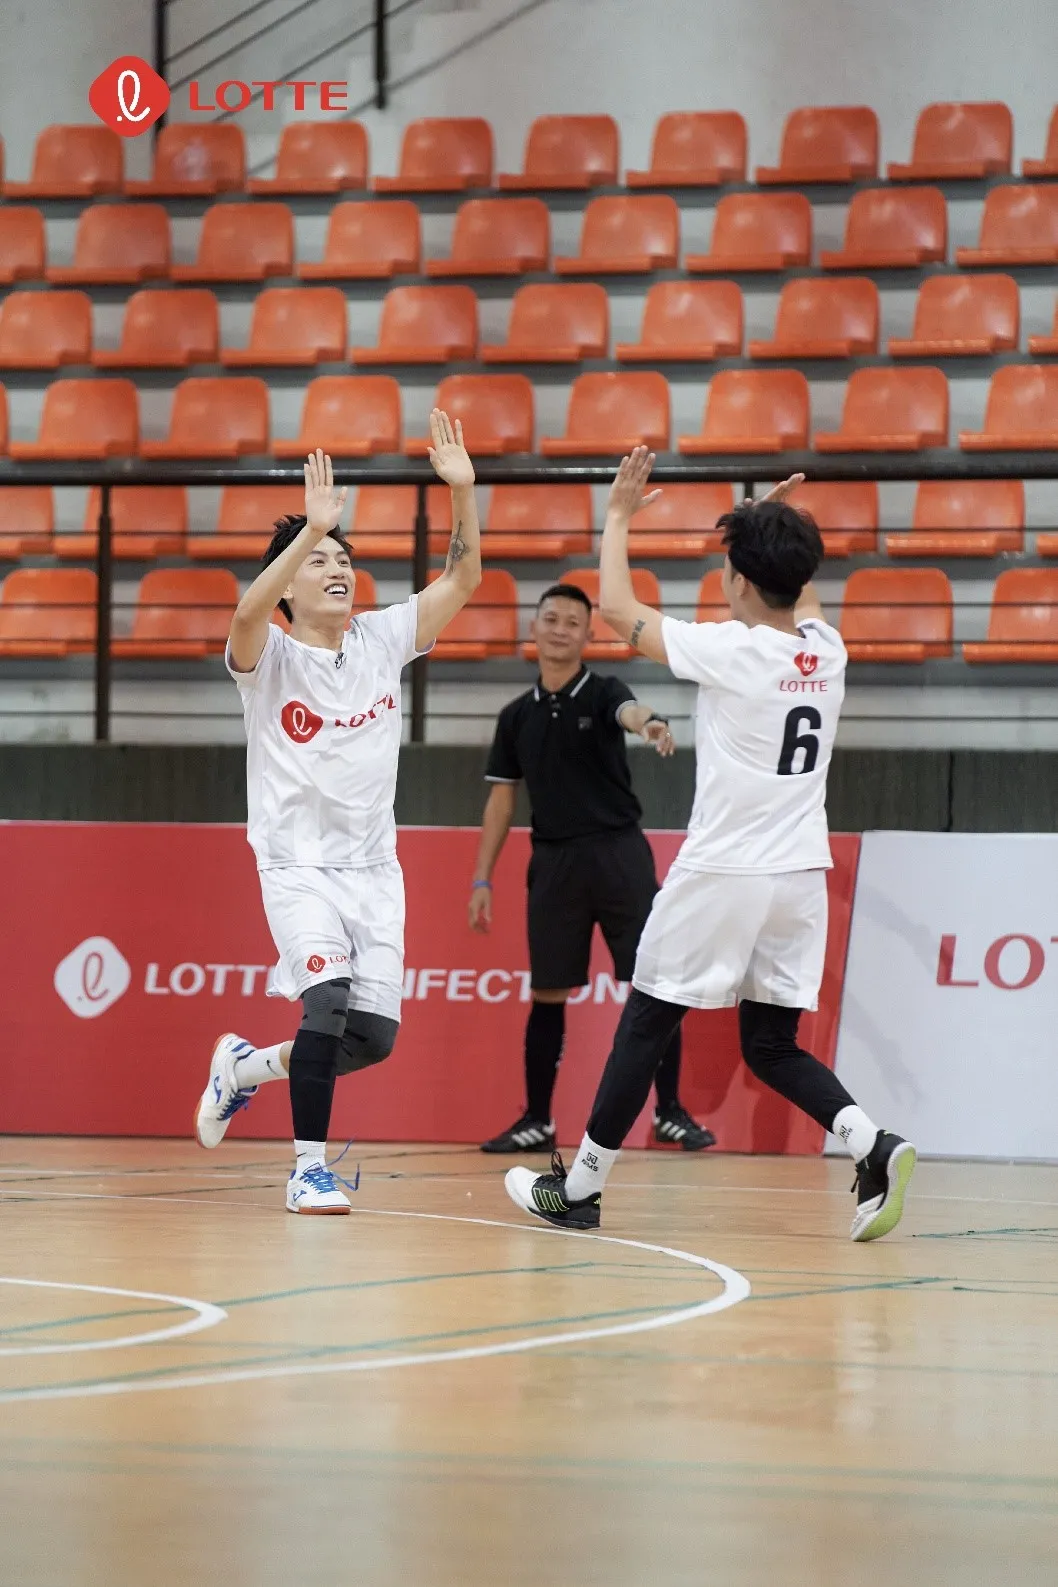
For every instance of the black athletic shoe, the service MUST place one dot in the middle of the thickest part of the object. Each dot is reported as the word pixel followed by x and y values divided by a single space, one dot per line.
pixel 881 1180
pixel 527 1135
pixel 676 1127
pixel 544 1195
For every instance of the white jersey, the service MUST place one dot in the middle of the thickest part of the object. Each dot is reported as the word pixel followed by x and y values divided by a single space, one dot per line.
pixel 323 732
pixel 767 716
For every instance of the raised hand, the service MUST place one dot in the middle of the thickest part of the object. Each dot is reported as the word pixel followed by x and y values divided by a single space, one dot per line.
pixel 323 504
pixel 627 491
pixel 449 456
pixel 783 489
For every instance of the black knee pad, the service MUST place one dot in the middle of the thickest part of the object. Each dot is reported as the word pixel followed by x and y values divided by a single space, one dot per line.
pixel 325 1007
pixel 367 1039
pixel 768 1035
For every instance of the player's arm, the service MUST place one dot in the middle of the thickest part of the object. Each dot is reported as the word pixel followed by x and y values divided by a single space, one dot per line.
pixel 323 510
pixel 639 624
pixel 495 825
pixel 647 724
pixel 448 595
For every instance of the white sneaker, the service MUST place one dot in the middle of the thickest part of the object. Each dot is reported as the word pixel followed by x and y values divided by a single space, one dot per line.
pixel 222 1098
pixel 315 1189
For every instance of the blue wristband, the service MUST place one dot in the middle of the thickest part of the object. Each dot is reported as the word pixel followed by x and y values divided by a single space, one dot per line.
pixel 481 884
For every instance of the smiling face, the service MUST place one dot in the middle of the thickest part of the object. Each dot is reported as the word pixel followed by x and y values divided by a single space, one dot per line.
pixel 321 591
pixel 561 629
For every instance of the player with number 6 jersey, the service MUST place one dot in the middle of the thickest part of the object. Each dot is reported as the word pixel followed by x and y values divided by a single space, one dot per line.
pixel 742 915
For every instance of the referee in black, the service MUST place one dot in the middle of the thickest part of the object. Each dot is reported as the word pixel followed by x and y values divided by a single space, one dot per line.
pixel 591 864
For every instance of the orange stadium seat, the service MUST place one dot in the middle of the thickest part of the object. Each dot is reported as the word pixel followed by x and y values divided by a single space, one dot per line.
pixel 147 521
pixel 442 155
pixel 23 245
pixel 610 414
pixel 955 142
pixel 245 521
pixel 823 319
pixel 1023 622
pixel 193 159
pixel 368 242
pixel 569 153
pixel 117 245
pixel 1021 414
pixel 182 614
pixel 846 514
pixel 555 324
pixel 365 595
pixel 626 236
pixel 712 608
pixel 48 612
pixel 682 522
pixel 317 157
pixel 826 144
pixel 1044 346
pixel 964 518
pixel 604 644
pixel 424 325
pixel 349 416
pixel 73 162
pixel 897 614
pixel 497 412
pixel 27 521
pixel 242 242
pixel 695 149
pixel 541 521
pixel 214 417
pixel 165 330
pixel 497 237
pixel 384 520
pixel 758 231
pixel 752 411
pixel 1048 166
pixel 892 230
pixel 1019 226
pixel 293 326
pixel 891 410
pixel 41 330
pixel 687 321
pixel 488 624
pixel 84 419
pixel 961 317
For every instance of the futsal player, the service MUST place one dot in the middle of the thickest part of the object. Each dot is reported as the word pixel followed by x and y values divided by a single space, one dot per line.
pixel 323 726
pixel 591 865
pixel 742 916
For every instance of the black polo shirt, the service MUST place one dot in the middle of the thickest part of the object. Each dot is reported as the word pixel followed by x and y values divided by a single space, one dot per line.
pixel 569 749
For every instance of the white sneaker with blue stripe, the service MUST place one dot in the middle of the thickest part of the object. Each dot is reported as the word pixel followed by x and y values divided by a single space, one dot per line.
pixel 222 1098
pixel 313 1188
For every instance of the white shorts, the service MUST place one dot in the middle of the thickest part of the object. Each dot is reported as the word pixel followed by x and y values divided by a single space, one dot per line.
pixel 332 924
pixel 713 939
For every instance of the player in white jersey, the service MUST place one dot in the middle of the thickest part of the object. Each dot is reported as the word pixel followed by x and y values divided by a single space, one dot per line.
pixel 323 727
pixel 742 915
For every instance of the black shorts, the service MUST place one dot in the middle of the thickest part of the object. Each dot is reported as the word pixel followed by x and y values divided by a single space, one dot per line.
pixel 607 881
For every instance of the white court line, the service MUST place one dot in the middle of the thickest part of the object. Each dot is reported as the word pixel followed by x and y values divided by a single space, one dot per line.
pixel 736 1289
pixel 206 1315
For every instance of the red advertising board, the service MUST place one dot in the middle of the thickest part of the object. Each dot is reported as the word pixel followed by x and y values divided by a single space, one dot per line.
pixel 127 949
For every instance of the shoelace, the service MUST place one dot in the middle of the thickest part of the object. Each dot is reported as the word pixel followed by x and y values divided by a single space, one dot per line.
pixel 241 1099
pixel 320 1179
pixel 355 1184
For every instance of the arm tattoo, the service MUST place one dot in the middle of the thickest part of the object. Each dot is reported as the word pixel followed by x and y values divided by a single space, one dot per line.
pixel 633 638
pixel 457 549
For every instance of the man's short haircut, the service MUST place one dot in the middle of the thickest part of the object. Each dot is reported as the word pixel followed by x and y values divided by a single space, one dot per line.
pixel 565 592
pixel 286 531
pixel 774 546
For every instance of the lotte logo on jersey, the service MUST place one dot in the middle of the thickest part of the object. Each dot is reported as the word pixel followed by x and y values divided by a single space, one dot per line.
pixel 299 723
pixel 806 663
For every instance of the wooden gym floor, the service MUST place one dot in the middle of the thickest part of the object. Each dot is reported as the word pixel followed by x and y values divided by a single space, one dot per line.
pixel 196 1387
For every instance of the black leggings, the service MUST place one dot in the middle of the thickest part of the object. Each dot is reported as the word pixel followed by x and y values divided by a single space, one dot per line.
pixel 769 1046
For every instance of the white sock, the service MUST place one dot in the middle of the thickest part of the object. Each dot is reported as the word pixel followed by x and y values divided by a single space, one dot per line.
pixel 263 1064
pixel 590 1171
pixel 310 1154
pixel 852 1126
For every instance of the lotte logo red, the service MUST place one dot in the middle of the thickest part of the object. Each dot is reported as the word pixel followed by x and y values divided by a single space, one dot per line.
pixel 299 723
pixel 806 663
pixel 129 96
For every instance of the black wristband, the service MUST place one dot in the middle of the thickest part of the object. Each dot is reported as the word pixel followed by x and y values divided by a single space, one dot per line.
pixel 654 717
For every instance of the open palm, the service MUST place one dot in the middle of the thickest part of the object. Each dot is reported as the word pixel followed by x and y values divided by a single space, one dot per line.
pixel 323 504
pixel 449 456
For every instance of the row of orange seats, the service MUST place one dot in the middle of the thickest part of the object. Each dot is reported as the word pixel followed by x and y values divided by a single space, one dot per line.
pixel 887 616
pixel 957 518
pixel 886 229
pixel 952 142
pixel 683 322
pixel 747 413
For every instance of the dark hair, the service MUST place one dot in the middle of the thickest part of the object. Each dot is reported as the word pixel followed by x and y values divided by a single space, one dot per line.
pixel 774 546
pixel 565 592
pixel 286 532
